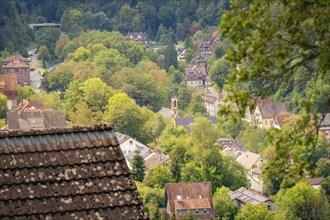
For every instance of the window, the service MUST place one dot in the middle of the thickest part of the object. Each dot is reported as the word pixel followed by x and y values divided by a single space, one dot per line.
pixel 130 142
pixel 179 197
pixel 196 211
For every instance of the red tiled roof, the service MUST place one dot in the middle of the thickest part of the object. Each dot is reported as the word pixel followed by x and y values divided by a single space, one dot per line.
pixel 16 64
pixel 191 195
pixel 281 118
pixel 8 85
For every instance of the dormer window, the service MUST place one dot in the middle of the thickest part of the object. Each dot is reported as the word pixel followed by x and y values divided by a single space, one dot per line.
pixel 187 197
pixel 179 197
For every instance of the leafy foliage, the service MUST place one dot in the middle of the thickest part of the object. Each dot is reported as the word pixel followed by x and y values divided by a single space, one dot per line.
pixel 138 167
pixel 302 202
pixel 158 177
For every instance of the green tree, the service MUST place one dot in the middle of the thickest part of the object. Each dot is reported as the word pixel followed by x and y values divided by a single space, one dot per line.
pixel 25 93
pixel 60 79
pixel 302 202
pixel 96 94
pixel 138 167
pixel 223 205
pixel 3 105
pixel 82 116
pixel 196 106
pixel 48 37
pixel 325 187
pixel 323 167
pixel 111 59
pixel 158 177
pixel 273 45
pixel 126 115
pixel 44 55
pixel 255 212
pixel 72 22
pixel 255 139
pixel 170 56
pixel 81 54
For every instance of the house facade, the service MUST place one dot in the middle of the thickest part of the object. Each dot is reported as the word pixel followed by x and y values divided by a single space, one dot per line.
pixel 9 87
pixel 137 37
pixel 253 163
pixel 212 103
pixel 18 65
pixel 29 115
pixel 196 75
pixel 182 198
pixel 264 112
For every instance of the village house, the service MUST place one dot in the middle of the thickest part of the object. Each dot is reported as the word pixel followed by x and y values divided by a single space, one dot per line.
pixel 253 163
pixel 156 158
pixel 216 37
pixel 32 115
pixel 66 173
pixel 242 196
pixel 212 103
pixel 196 75
pixel 137 37
pixel 264 112
pixel 9 88
pixel 325 127
pixel 129 146
pixel 281 119
pixel 185 122
pixel 182 198
pixel 181 54
pixel 18 65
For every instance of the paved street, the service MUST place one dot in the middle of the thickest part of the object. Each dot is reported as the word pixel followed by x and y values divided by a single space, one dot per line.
pixel 35 77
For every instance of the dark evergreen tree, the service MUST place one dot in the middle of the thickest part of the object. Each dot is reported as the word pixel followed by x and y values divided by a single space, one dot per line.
pixel 138 167
pixel 170 55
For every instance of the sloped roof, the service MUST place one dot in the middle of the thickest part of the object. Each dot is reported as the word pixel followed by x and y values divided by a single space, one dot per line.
pixel 26 105
pixel 187 121
pixel 15 57
pixel 215 33
pixel 16 63
pixel 326 121
pixel 281 118
pixel 183 196
pixel 165 112
pixel 155 159
pixel 8 85
pixel 195 72
pixel 269 109
pixel 247 159
pixel 70 173
pixel 245 195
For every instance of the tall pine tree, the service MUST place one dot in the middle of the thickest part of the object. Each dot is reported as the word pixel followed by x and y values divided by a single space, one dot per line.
pixel 170 55
pixel 138 167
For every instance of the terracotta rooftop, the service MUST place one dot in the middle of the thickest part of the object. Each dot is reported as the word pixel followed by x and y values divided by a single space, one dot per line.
pixel 281 118
pixel 185 196
pixel 68 173
pixel 16 63
pixel 15 57
pixel 26 105
pixel 8 85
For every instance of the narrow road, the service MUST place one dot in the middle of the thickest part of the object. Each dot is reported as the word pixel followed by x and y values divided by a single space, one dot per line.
pixel 35 77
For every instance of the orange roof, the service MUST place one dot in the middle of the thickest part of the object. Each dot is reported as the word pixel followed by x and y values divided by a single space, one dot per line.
pixel 16 63
pixel 192 204
pixel 15 57
pixel 9 81
pixel 215 33
pixel 189 195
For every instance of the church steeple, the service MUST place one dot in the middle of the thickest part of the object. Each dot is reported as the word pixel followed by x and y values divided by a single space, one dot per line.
pixel 174 106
